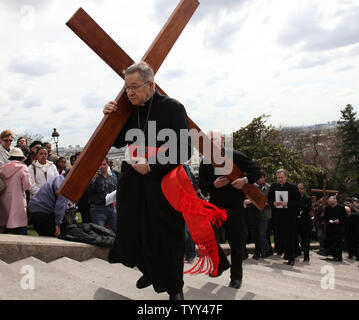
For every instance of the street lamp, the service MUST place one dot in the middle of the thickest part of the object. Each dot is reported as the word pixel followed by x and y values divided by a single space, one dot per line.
pixel 55 136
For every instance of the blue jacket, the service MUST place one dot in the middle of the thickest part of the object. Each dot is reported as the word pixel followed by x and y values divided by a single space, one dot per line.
pixel 47 201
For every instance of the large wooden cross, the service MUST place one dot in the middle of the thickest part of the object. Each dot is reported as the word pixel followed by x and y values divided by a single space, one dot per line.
pixel 111 125
pixel 324 191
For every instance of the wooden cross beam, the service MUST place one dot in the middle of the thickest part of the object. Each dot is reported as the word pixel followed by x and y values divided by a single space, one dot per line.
pixel 325 191
pixel 111 125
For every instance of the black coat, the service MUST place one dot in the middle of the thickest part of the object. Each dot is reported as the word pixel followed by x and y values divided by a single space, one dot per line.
pixel 334 213
pixel 294 202
pixel 88 233
pixel 150 232
pixel 227 196
pixel 305 210
pixel 98 189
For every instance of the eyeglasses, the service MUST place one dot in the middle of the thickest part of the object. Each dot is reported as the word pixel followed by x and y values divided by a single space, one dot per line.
pixel 134 88
pixel 8 140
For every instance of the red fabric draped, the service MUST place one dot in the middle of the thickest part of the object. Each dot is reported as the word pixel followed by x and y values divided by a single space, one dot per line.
pixel 198 215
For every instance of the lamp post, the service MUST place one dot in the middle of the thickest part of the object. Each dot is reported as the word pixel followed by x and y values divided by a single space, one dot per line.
pixel 55 136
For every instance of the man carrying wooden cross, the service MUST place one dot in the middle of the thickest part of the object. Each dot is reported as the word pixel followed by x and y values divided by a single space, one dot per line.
pixel 150 232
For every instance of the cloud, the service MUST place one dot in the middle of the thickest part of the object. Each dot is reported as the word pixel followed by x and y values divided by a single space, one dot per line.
pixel 317 30
pixel 93 100
pixel 219 37
pixel 32 102
pixel 225 103
pixel 174 74
pixel 37 61
pixel 163 8
pixel 18 4
pixel 311 62
pixel 345 67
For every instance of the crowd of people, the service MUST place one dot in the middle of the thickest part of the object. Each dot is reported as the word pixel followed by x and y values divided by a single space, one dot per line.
pixel 30 176
pixel 292 219
pixel 291 216
pixel 287 225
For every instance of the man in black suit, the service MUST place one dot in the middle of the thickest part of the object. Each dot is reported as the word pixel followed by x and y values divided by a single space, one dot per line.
pixel 226 194
pixel 334 216
pixel 304 222
pixel 284 198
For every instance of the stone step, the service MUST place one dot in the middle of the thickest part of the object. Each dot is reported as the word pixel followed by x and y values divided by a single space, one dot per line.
pixel 202 290
pixel 16 247
pixel 64 284
pixel 115 278
pixel 296 280
pixel 251 289
pixel 95 278
pixel 344 271
pixel 16 284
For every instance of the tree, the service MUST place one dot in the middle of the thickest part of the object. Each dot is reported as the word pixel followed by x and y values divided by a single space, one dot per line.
pixel 348 151
pixel 259 141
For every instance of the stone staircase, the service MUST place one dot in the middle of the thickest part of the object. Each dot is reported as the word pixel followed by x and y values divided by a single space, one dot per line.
pixel 95 279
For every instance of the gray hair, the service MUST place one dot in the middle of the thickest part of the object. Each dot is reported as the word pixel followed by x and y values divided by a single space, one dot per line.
pixel 144 69
pixel 282 170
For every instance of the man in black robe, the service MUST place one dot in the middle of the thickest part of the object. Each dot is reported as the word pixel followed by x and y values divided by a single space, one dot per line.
pixel 304 222
pixel 226 194
pixel 150 233
pixel 334 216
pixel 284 198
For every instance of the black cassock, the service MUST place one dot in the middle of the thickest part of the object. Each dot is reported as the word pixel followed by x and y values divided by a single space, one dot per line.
pixel 285 219
pixel 150 233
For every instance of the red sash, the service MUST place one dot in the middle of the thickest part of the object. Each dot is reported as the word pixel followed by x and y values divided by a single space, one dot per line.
pixel 149 151
pixel 198 215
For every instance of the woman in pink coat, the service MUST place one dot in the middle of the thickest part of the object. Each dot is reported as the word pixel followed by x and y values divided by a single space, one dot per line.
pixel 13 199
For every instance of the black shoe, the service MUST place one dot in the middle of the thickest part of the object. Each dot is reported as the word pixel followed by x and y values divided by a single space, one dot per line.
pixel 306 258
pixel 236 284
pixel 357 258
pixel 290 263
pixel 285 257
pixel 339 259
pixel 269 254
pixel 221 269
pixel 177 296
pixel 323 253
pixel 256 257
pixel 143 282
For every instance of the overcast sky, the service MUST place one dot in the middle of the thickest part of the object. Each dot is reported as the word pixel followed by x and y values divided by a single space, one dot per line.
pixel 295 60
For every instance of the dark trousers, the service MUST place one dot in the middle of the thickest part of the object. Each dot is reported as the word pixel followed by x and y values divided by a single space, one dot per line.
pixel 190 246
pixel 276 232
pixel 20 231
pixel 234 230
pixel 350 240
pixel 304 230
pixel 44 223
pixel 287 229
pixel 334 240
pixel 253 229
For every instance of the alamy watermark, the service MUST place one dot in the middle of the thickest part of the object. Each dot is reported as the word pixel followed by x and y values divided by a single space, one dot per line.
pixel 328 280
pixel 27 281
pixel 175 148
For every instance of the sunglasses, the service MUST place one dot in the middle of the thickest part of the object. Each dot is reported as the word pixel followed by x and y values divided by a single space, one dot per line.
pixel 8 140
